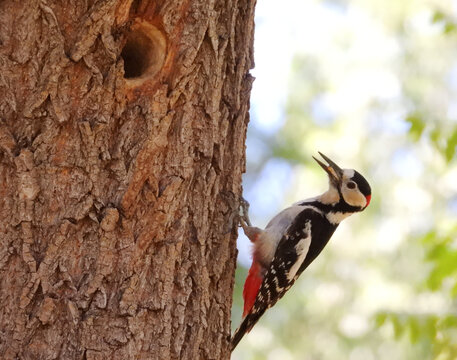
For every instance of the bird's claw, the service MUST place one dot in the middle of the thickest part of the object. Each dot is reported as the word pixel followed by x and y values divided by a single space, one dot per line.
pixel 244 213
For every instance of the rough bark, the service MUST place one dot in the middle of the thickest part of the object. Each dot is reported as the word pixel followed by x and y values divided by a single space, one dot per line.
pixel 122 130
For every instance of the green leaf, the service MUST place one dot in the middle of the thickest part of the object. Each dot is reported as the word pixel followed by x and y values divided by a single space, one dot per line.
pixel 449 321
pixel 436 138
pixel 398 326
pixel 429 238
pixel 449 27
pixel 417 125
pixel 451 145
pixel 414 329
pixel 380 319
pixel 454 291
pixel 438 16
pixel 431 327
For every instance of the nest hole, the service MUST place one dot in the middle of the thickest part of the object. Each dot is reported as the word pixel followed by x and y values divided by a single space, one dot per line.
pixel 143 52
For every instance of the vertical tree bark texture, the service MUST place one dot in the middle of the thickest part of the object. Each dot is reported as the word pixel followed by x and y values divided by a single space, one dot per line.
pixel 122 130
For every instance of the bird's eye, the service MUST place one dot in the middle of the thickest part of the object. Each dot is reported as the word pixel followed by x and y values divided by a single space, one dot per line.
pixel 351 185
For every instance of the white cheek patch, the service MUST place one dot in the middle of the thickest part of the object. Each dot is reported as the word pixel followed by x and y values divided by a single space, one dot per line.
pixel 354 197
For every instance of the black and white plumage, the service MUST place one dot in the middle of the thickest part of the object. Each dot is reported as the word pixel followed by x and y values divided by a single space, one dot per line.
pixel 294 238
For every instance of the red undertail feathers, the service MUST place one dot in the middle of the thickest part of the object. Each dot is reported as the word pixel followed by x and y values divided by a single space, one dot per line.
pixel 252 286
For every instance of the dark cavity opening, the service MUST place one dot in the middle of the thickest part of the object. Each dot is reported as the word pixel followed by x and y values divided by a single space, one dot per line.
pixel 137 54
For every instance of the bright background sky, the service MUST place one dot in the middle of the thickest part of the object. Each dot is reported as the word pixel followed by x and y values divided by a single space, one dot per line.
pixel 354 79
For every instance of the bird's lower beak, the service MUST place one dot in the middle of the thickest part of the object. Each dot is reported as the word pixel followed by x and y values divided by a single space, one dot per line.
pixel 334 172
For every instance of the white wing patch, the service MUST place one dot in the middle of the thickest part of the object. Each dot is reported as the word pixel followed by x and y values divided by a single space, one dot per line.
pixel 302 248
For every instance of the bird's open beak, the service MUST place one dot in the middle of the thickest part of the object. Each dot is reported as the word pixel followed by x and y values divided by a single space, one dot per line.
pixel 334 172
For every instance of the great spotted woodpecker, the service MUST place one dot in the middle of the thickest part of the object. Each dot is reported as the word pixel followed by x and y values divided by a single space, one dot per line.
pixel 294 238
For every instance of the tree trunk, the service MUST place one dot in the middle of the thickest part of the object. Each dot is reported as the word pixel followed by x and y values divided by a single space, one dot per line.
pixel 122 130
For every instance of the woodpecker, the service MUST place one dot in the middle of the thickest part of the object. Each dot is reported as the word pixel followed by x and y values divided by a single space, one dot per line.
pixel 294 238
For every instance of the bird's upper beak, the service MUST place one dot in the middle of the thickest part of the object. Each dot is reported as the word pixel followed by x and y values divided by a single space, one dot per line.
pixel 334 172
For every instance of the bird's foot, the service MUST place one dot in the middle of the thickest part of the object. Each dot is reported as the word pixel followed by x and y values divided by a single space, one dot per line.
pixel 244 213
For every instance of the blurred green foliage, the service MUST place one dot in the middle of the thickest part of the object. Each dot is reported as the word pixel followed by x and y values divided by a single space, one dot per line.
pixel 436 331
pixel 374 86
pixel 444 141
pixel 449 24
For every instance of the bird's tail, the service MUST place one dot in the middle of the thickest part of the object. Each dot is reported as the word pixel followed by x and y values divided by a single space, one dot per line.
pixel 241 331
pixel 246 325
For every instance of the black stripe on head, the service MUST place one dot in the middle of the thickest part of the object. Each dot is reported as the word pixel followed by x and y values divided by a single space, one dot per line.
pixel 364 187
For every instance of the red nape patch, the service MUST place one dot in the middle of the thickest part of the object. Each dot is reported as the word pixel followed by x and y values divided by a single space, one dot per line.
pixel 251 287
pixel 368 197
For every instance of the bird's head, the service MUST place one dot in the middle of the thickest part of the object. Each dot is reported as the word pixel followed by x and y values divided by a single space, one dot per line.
pixel 350 184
